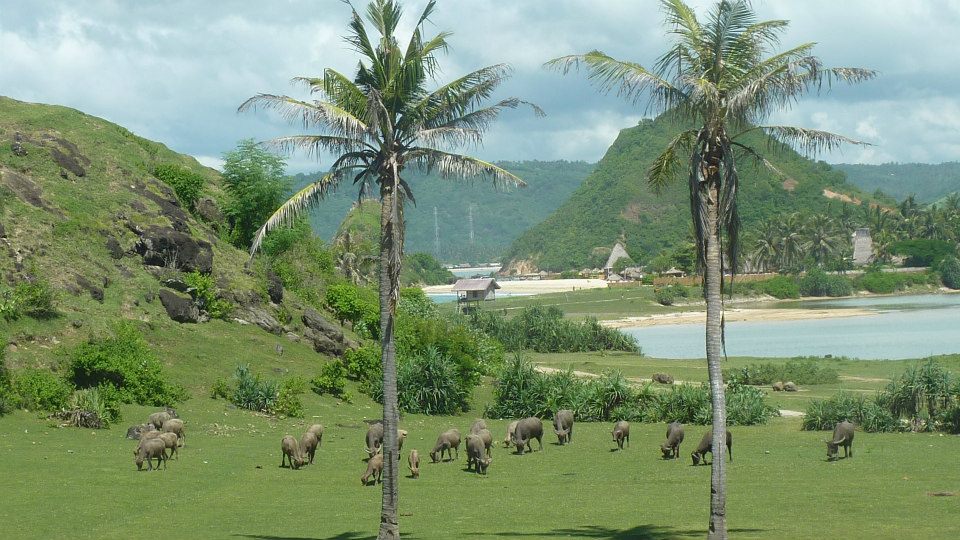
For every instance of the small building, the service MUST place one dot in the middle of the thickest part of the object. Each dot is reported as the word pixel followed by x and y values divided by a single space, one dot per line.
pixel 862 247
pixel 673 272
pixel 618 252
pixel 474 291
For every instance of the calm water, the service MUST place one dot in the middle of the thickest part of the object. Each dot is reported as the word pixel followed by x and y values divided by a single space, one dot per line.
pixel 903 327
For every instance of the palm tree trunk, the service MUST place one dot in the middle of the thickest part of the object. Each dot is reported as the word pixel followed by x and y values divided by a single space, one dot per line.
pixel 390 249
pixel 712 292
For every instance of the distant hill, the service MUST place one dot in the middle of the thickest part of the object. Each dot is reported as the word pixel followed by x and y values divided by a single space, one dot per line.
pixel 498 216
pixel 615 201
pixel 924 181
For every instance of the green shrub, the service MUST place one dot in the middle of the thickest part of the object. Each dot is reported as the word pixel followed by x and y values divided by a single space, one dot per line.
pixel 279 241
pixel 544 329
pixel 93 408
pixel 881 282
pixel 428 383
pixel 207 295
pixel 518 391
pixel 569 274
pixel 819 283
pixel 950 272
pixel 125 361
pixel 826 414
pixel 8 396
pixel 31 297
pixel 921 252
pixel 251 392
pixel 781 287
pixel 220 389
pixel 685 403
pixel 332 379
pixel 358 305
pixel 42 390
pixel 415 303
pixel 799 370
pixel 664 296
pixel 363 364
pixel 949 419
pixel 187 184
pixel 747 406
pixel 288 401
pixel 920 393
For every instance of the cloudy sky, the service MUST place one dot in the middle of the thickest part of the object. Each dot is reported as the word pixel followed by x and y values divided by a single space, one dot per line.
pixel 176 70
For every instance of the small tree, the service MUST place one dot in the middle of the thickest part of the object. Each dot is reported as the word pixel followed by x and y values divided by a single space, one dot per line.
pixel 255 180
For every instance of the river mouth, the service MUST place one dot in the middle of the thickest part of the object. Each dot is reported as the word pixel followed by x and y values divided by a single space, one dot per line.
pixel 875 328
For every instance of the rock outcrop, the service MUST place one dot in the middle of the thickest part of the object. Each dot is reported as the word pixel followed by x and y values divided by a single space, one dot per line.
pixel 326 337
pixel 164 246
pixel 180 308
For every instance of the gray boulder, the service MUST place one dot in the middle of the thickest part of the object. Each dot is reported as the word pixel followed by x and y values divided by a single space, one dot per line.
pixel 208 210
pixel 113 246
pixel 323 344
pixel 180 308
pixel 313 320
pixel 259 316
pixel 274 287
pixel 164 246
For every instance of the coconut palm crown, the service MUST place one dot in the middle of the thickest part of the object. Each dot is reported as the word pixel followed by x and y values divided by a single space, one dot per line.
pixel 723 76
pixel 377 123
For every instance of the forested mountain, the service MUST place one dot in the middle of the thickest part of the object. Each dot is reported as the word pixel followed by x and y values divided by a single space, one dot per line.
pixel 615 202
pixel 926 182
pixel 498 217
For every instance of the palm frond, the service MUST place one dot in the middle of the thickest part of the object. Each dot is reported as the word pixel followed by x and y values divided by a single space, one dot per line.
pixel 319 113
pixel 808 141
pixel 461 167
pixel 469 128
pixel 314 145
pixel 668 166
pixel 295 207
pixel 629 79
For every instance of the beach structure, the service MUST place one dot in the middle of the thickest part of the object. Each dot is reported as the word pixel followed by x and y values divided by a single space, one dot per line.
pixel 471 292
pixel 862 247
pixel 618 252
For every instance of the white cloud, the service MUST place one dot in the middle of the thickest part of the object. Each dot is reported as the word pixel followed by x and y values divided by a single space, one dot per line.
pixel 211 161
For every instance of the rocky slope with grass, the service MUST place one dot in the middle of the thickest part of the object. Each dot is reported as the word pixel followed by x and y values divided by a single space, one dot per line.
pixel 91 235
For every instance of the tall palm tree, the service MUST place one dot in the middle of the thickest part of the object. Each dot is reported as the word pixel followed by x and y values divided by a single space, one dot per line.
pixel 823 238
pixel 723 78
pixel 378 122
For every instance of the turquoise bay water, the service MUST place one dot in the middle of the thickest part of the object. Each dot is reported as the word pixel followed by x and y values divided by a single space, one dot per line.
pixel 902 327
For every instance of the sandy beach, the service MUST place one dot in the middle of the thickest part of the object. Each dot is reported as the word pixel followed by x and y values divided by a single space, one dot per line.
pixel 737 315
pixel 533 286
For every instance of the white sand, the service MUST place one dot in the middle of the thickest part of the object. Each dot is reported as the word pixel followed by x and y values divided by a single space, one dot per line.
pixel 737 315
pixel 532 286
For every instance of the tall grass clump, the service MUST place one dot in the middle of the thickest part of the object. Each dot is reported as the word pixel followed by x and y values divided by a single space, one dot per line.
pixel 8 397
pixel 33 297
pixel 801 370
pixel 543 329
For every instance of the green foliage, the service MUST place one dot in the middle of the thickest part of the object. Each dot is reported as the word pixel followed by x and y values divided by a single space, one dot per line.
pixel 220 389
pixel 569 274
pixel 826 414
pixel 802 371
pixel 288 401
pixel 303 263
pixel 358 305
pixel 101 402
pixel 31 297
pixel 521 391
pixel 8 396
pixel 928 182
pixel 818 283
pixel 879 282
pixel 920 393
pixel 664 296
pixel 950 272
pixel 332 379
pixel 187 184
pixel 543 329
pixel 280 240
pixel 782 287
pixel 124 361
pixel 207 295
pixel 921 252
pixel 422 269
pixel 364 365
pixel 255 181
pixel 470 351
pixel 42 390
pixel 415 303
pixel 251 392
pixel 429 383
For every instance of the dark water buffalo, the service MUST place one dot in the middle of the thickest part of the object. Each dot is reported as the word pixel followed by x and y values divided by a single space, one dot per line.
pixel 528 429
pixel 842 436
pixel 671 447
pixel 706 445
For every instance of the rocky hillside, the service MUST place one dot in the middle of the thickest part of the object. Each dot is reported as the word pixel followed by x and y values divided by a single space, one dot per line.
pixel 81 210
pixel 615 202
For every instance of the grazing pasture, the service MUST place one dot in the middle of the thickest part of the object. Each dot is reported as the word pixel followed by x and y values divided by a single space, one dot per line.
pixel 228 484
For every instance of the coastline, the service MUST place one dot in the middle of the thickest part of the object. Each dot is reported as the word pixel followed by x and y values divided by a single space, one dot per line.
pixel 736 315
pixel 532 287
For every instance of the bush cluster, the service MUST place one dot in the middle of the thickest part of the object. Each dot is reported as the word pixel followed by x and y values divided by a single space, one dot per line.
pixel 926 397
pixel 42 390
pixel 125 362
pixel 543 329
pixel 332 380
pixel 920 252
pixel 819 283
pixel 207 295
pixel 521 391
pixel 8 396
pixel 249 391
pixel 950 272
pixel 358 305
pixel 781 287
pixel 187 184
pixel 798 370
pixel 879 282
pixel 30 297
pixel 666 296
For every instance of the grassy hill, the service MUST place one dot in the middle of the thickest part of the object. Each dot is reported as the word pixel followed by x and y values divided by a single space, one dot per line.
pixel 615 201
pixel 926 182
pixel 498 216
pixel 78 205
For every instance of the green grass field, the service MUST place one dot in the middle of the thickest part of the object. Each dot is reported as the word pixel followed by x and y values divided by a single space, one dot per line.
pixel 83 484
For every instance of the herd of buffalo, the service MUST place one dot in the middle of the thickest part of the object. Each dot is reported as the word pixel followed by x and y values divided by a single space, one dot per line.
pixel 165 432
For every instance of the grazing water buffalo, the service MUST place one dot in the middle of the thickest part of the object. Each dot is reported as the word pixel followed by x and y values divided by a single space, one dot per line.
pixel 508 440
pixel 621 432
pixel 290 450
pixel 476 454
pixel 413 462
pixel 671 447
pixel 563 426
pixel 706 445
pixel 478 424
pixel 449 442
pixel 527 429
pixel 842 436
pixel 374 468
pixel 374 438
